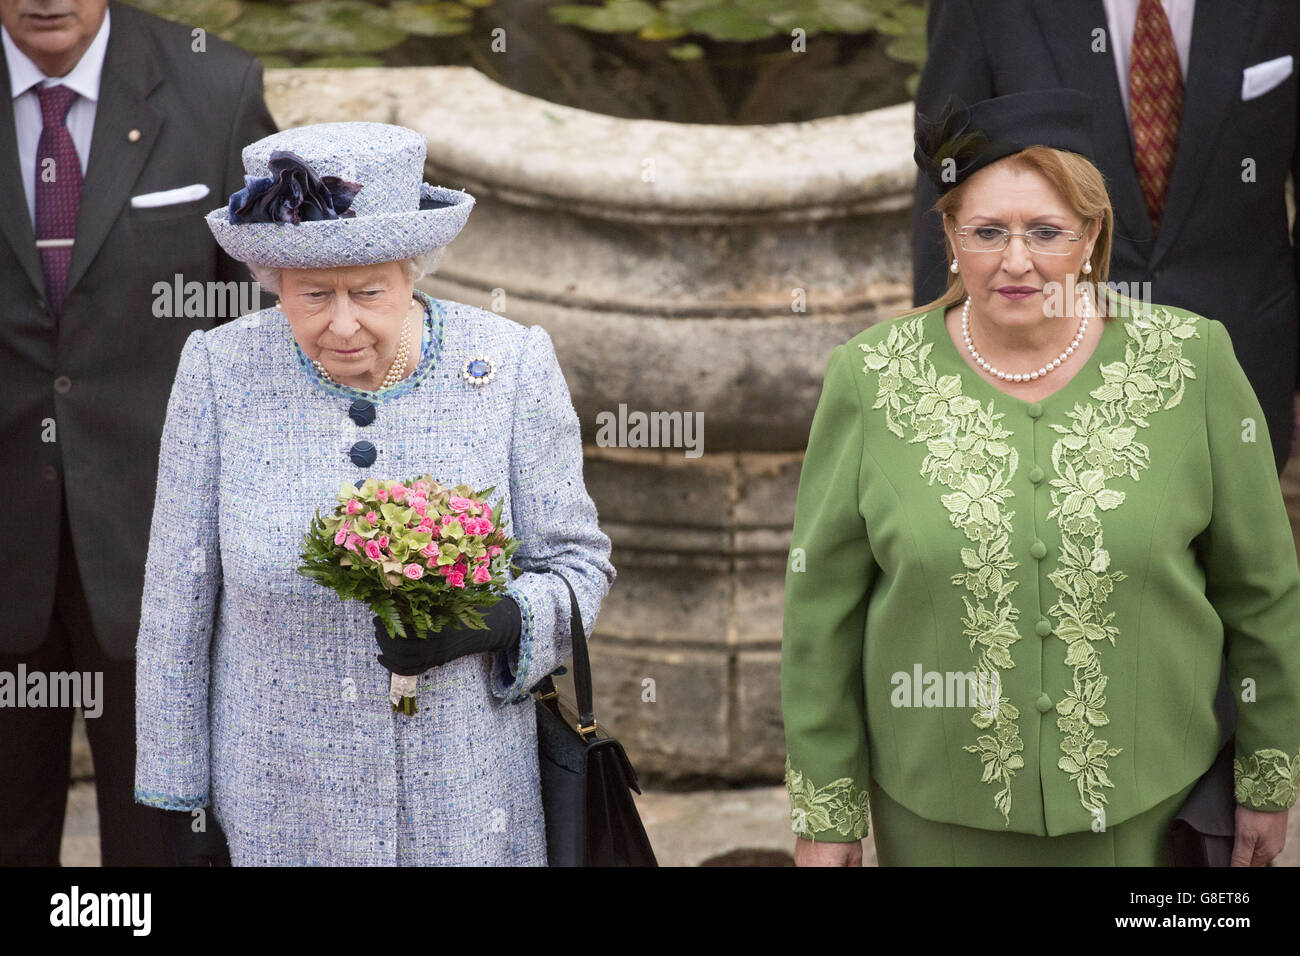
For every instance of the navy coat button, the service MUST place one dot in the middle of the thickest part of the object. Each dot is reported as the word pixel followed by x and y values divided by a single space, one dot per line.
pixel 362 412
pixel 363 454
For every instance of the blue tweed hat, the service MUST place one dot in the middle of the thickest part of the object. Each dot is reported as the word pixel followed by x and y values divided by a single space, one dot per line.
pixel 337 194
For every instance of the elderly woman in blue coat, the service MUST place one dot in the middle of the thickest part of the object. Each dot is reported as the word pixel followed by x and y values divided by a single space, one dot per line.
pixel 260 696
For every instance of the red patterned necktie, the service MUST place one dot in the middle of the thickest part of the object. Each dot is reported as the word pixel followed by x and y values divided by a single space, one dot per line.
pixel 1155 83
pixel 58 192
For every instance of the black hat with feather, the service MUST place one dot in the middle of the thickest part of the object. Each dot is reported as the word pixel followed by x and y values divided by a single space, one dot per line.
pixel 964 139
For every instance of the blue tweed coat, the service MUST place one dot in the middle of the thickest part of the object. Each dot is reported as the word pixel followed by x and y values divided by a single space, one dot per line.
pixel 258 690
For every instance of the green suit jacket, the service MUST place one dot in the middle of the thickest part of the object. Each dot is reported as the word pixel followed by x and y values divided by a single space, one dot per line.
pixel 1012 614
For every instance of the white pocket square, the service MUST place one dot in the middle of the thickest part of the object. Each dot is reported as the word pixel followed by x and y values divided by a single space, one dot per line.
pixel 170 197
pixel 1259 79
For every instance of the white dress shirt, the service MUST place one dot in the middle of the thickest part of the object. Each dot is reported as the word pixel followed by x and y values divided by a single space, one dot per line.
pixel 25 76
pixel 1121 18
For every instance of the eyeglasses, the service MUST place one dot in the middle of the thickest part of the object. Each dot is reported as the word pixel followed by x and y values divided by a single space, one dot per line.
pixel 1047 240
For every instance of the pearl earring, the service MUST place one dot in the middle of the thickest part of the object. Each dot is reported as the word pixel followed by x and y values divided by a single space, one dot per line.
pixel 1087 267
pixel 953 267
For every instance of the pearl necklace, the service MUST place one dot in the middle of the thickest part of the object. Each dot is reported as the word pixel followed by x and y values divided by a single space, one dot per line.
pixel 396 371
pixel 1026 376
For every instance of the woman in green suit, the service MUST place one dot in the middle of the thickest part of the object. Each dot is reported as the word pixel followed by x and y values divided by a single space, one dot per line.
pixel 1032 518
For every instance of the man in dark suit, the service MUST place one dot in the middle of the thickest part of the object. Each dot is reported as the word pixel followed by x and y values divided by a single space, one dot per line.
pixel 1221 247
pixel 118 131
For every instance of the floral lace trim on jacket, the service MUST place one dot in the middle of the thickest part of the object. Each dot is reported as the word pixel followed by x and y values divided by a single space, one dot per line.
pixel 840 806
pixel 1267 780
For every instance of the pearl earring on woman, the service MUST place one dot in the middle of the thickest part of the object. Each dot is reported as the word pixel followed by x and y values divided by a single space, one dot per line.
pixel 1087 267
pixel 953 267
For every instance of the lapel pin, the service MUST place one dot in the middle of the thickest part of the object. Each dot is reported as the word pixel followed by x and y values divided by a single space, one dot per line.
pixel 134 136
pixel 479 371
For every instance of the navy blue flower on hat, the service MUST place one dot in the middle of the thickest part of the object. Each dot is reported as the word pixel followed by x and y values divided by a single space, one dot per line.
pixel 292 193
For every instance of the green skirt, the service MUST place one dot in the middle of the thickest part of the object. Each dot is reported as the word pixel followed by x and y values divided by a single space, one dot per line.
pixel 904 839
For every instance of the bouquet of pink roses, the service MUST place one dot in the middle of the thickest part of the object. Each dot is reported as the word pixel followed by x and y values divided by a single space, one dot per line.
pixel 421 555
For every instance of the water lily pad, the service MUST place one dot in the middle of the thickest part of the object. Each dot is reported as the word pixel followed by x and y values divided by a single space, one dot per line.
pixel 432 19
pixel 661 28
pixel 686 51
pixel 210 15
pixel 909 49
pixel 368 28
pixel 730 23
pixel 681 9
pixel 331 27
pixel 903 18
pixel 616 16
pixel 263 28
pixel 849 16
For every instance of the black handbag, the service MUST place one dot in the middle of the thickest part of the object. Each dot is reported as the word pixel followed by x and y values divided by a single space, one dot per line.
pixel 587 780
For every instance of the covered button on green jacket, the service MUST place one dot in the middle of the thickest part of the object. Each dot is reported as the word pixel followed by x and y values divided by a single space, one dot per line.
pixel 1011 614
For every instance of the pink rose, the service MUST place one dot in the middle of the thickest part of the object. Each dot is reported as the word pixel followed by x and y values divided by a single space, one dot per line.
pixel 456 580
pixel 351 542
pixel 494 551
pixel 372 517
pixel 413 571
pixel 353 506
pixel 421 507
pixel 422 487
pixel 485 526
pixel 482 575
pixel 429 550
pixel 382 495
pixel 372 550
pixel 481 560
pixel 426 524
pixel 383 540
pixel 341 536
pixel 398 492
pixel 461 504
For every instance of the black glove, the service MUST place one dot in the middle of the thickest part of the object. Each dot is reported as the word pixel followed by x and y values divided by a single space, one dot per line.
pixel 184 847
pixel 409 656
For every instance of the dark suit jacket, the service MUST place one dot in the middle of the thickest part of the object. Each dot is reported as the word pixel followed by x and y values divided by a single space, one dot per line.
pixel 1223 249
pixel 194 111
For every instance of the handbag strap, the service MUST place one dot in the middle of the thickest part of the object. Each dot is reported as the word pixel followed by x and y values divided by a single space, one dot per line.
pixel 581 665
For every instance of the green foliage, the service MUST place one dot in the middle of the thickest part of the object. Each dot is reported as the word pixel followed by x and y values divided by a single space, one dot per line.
pixel 336 32
pixel 747 20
